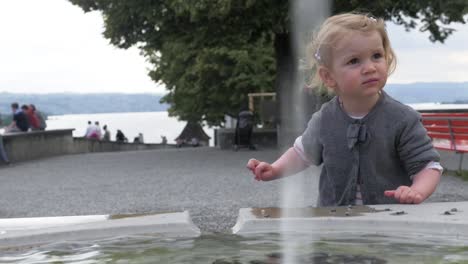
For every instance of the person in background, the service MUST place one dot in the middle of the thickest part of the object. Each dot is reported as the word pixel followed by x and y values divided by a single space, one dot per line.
pixel 120 137
pixel 92 132
pixel 106 136
pixel 179 142
pixel 32 117
pixel 40 117
pixel 194 142
pixel 89 129
pixel 140 138
pixel 3 154
pixel 20 120
pixel 163 140
pixel 98 130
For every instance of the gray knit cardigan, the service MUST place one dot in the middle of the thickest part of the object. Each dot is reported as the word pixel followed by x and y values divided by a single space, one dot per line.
pixel 380 151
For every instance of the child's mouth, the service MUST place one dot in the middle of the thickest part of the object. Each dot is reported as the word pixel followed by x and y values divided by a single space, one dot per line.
pixel 370 81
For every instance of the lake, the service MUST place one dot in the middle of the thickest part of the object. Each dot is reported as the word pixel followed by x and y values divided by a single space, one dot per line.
pixel 153 125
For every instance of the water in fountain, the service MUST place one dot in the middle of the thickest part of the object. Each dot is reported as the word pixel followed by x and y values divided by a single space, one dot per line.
pixel 306 17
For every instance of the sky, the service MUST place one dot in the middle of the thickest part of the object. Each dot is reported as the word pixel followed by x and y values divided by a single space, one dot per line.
pixel 52 46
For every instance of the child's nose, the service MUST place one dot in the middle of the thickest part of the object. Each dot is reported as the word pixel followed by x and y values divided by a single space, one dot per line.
pixel 368 66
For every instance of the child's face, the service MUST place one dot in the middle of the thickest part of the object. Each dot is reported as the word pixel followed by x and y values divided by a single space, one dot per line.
pixel 358 68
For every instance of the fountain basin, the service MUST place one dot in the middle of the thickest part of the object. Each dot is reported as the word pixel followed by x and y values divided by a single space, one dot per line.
pixel 360 234
pixel 40 230
pixel 447 220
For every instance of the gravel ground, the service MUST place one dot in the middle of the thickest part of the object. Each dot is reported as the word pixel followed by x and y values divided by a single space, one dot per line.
pixel 211 183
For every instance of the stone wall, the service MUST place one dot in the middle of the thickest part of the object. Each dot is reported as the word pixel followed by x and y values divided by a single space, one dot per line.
pixel 38 144
pixel 41 144
pixel 83 145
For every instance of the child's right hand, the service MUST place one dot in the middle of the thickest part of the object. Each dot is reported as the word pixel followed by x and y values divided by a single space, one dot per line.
pixel 263 171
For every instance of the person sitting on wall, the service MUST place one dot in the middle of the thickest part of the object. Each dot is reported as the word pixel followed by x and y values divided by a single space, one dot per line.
pixel 106 136
pixel 89 129
pixel 120 137
pixel 93 131
pixel 3 154
pixel 40 117
pixel 32 117
pixel 98 129
pixel 20 121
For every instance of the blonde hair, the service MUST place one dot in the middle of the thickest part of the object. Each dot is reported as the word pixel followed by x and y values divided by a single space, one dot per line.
pixel 333 30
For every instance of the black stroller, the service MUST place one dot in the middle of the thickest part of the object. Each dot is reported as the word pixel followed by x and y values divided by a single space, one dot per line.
pixel 244 128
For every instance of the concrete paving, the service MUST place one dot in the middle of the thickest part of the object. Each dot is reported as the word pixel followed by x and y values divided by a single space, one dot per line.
pixel 211 184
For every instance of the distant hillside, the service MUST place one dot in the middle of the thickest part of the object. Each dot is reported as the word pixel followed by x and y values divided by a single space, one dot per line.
pixel 429 92
pixel 71 103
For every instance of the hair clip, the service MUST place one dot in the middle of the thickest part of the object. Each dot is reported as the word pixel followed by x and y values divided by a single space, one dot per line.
pixel 317 56
pixel 373 19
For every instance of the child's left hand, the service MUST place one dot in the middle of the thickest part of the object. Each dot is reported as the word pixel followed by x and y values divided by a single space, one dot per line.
pixel 405 195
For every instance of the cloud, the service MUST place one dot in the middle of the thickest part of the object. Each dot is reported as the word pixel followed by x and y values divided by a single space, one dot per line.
pixel 420 60
pixel 53 46
pixel 459 58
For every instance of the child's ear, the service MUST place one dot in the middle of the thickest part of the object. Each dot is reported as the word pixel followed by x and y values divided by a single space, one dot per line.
pixel 327 77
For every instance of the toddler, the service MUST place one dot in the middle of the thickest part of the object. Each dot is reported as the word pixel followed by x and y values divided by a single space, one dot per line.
pixel 374 149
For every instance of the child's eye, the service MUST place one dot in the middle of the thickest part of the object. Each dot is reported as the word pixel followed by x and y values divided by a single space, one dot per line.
pixel 377 55
pixel 353 61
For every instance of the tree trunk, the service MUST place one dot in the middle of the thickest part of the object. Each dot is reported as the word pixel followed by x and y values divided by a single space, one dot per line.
pixel 291 115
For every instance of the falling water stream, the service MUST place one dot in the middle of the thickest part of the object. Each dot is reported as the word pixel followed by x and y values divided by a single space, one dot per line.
pixel 306 16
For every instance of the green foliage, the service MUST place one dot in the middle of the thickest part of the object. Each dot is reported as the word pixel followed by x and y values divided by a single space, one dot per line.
pixel 211 53
pixel 433 15
pixel 217 81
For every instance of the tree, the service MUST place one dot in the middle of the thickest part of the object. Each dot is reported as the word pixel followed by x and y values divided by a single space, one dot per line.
pixel 211 53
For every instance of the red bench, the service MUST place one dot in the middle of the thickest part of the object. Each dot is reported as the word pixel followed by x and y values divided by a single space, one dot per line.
pixel 448 131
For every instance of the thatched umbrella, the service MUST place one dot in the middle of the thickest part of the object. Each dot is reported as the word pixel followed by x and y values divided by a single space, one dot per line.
pixel 193 130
